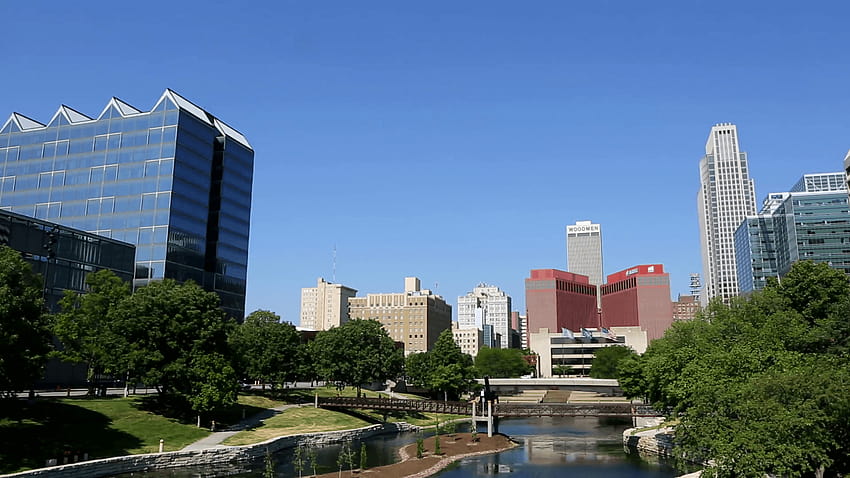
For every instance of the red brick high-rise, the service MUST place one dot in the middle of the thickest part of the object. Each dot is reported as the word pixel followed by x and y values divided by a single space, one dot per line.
pixel 638 296
pixel 557 299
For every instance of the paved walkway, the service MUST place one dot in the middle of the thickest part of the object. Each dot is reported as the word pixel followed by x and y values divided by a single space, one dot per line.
pixel 213 440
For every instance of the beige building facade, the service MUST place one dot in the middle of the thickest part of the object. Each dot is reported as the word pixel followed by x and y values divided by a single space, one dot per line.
pixel 468 339
pixel 325 306
pixel 415 317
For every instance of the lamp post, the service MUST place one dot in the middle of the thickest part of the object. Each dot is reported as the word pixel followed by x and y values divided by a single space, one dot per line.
pixel 50 245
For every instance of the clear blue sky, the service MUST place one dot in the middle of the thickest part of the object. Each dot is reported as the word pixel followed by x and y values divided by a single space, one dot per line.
pixel 454 141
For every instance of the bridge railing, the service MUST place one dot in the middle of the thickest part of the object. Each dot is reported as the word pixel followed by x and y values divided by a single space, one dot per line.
pixel 622 409
pixel 397 404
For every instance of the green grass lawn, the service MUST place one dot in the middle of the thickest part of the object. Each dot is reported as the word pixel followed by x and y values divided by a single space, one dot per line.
pixel 297 420
pixel 31 434
pixel 305 396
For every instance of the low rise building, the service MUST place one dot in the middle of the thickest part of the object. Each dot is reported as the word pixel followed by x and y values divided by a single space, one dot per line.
pixel 566 353
pixel 469 340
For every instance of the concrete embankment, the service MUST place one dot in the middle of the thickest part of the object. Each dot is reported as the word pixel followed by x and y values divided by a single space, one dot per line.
pixel 655 441
pixel 223 455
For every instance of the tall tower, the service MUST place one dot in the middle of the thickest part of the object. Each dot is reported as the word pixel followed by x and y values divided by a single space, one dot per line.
pixel 584 250
pixel 726 196
pixel 584 253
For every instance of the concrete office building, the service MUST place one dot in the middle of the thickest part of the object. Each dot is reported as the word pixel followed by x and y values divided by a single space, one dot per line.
pixel 558 352
pixel 557 299
pixel 468 339
pixel 174 181
pixel 811 222
pixel 325 305
pixel 486 305
pixel 415 317
pixel 638 297
pixel 725 198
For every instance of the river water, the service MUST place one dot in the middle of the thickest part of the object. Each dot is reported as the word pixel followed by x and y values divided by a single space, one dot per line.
pixel 585 447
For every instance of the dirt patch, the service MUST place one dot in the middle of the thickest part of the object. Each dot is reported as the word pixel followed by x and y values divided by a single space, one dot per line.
pixel 453 448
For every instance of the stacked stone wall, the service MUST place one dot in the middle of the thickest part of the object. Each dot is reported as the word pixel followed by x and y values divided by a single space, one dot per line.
pixel 224 455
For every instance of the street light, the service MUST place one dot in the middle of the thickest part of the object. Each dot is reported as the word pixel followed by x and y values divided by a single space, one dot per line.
pixel 50 245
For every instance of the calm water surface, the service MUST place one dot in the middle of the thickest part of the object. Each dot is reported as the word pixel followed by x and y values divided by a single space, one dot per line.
pixel 549 447
pixel 563 447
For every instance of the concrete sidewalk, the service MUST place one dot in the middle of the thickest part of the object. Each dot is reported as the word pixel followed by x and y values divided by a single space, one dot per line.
pixel 213 440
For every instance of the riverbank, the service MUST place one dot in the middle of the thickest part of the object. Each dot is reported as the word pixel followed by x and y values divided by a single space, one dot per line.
pixel 453 448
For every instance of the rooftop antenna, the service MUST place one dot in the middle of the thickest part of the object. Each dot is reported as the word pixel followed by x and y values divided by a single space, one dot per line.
pixel 334 271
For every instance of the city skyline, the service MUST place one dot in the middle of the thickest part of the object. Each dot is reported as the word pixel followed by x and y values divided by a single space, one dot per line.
pixel 405 136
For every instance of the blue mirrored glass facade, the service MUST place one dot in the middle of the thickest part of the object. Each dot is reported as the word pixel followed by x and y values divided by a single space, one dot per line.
pixel 800 225
pixel 174 181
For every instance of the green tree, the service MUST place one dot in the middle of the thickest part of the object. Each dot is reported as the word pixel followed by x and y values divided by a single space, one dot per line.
pixel 811 289
pixel 174 336
pixel 417 369
pixel 363 462
pixel 761 384
pixel 84 329
pixel 607 359
pixel 24 326
pixel 501 363
pixel 452 371
pixel 357 353
pixel 266 349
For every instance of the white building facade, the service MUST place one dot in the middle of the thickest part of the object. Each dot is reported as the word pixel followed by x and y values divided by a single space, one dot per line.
pixel 726 196
pixel 486 305
pixel 325 305
pixel 584 250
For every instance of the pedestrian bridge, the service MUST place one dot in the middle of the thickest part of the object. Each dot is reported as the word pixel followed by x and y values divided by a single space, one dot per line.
pixel 613 409
pixel 602 386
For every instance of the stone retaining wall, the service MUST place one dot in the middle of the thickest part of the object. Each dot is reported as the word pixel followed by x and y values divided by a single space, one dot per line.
pixel 656 442
pixel 225 455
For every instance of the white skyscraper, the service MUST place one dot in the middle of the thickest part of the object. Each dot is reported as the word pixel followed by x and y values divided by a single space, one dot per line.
pixel 486 305
pixel 726 197
pixel 584 250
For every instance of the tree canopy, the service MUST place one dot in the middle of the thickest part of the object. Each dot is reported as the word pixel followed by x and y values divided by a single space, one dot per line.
pixel 357 353
pixel 607 359
pixel 174 336
pixel 761 384
pixel 84 328
pixel 266 349
pixel 24 325
pixel 445 368
pixel 501 363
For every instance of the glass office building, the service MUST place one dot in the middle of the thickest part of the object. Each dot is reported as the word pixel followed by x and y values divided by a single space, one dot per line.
pixel 64 256
pixel 812 224
pixel 174 181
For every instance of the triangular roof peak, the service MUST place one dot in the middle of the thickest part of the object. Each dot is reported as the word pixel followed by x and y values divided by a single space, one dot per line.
pixel 185 105
pixel 23 123
pixel 73 115
pixel 70 114
pixel 123 108
pixel 226 130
